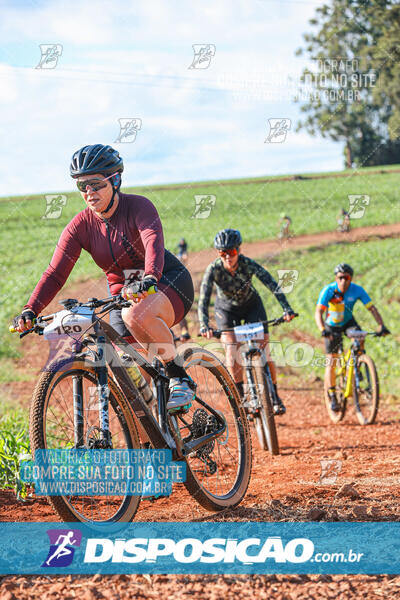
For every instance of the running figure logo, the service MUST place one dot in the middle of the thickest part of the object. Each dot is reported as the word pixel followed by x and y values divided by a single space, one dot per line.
pixel 60 348
pixel 203 54
pixel 286 280
pixel 54 205
pixel 63 543
pixel 278 129
pixel 358 204
pixel 50 56
pixel 330 470
pixel 203 205
pixel 128 130
pixel 132 275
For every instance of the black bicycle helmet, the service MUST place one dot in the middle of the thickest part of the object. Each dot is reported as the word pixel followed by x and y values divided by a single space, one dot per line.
pixel 344 268
pixel 227 238
pixel 96 158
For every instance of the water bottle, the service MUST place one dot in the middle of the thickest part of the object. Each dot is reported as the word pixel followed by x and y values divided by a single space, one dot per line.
pixel 137 377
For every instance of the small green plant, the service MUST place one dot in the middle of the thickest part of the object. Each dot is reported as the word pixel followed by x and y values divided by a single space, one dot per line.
pixel 14 443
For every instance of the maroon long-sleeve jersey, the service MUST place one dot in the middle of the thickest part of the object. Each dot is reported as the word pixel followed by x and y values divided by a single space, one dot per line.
pixel 132 238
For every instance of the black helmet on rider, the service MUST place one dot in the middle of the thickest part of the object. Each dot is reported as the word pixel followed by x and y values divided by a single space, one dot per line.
pixel 344 268
pixel 227 239
pixel 98 158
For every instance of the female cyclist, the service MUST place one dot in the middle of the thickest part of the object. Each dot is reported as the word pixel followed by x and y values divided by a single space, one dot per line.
pixel 123 234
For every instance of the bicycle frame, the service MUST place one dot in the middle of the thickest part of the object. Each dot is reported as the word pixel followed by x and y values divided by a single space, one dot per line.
pixel 251 349
pixel 158 432
pixel 348 367
pixel 104 357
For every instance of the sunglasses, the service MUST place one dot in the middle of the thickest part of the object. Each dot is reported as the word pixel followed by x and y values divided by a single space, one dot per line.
pixel 95 184
pixel 230 252
pixel 346 277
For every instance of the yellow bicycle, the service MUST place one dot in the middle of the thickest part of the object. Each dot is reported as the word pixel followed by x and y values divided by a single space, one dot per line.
pixel 357 377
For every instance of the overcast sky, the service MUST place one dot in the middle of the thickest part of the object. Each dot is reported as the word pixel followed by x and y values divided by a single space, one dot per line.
pixel 130 60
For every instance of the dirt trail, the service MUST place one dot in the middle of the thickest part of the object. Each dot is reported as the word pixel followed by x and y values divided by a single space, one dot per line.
pixel 198 261
pixel 283 488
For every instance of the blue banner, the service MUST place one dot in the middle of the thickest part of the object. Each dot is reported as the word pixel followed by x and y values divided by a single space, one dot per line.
pixel 345 548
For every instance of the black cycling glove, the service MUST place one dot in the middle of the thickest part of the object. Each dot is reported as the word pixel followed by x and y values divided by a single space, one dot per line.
pixel 325 333
pixel 142 286
pixel 26 315
pixel 204 329
pixel 384 331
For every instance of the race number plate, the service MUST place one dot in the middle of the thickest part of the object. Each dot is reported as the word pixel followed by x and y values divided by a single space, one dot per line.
pixel 73 323
pixel 250 331
pixel 356 334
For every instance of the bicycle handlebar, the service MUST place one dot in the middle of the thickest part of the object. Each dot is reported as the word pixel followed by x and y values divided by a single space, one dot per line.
pixel 106 304
pixel 274 322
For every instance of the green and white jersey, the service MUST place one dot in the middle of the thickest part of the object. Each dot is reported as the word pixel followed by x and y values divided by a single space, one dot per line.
pixel 234 291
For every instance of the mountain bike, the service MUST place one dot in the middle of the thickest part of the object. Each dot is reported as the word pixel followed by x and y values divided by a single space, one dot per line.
pixel 357 377
pixel 284 234
pixel 260 393
pixel 87 399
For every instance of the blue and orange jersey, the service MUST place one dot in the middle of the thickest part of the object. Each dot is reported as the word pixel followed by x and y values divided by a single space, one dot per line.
pixel 340 306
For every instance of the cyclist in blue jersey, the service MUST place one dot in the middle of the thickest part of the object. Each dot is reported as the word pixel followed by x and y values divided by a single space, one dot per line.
pixel 337 299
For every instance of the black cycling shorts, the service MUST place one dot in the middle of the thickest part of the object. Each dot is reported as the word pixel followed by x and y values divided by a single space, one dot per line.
pixel 177 285
pixel 333 343
pixel 253 312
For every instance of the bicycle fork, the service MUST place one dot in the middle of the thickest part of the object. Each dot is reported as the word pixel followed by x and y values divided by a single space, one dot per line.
pixel 252 402
pixel 103 395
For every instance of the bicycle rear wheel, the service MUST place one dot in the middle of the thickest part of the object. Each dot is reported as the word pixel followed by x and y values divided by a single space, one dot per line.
pixel 218 473
pixel 52 426
pixel 266 416
pixel 366 396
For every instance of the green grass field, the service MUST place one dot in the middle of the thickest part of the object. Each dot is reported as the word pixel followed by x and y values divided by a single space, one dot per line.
pixel 27 240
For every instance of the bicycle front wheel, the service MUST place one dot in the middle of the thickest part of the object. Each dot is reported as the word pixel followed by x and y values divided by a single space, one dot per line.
pixel 266 411
pixel 52 427
pixel 337 416
pixel 218 473
pixel 366 395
